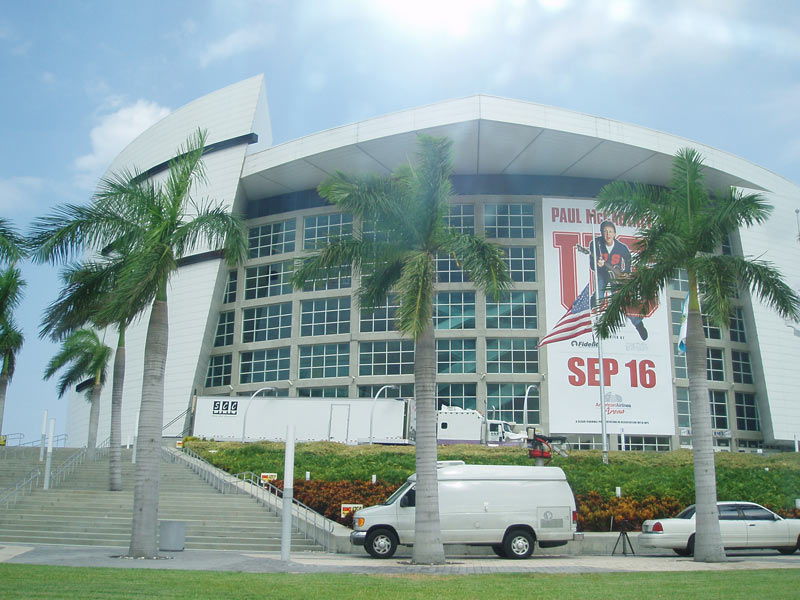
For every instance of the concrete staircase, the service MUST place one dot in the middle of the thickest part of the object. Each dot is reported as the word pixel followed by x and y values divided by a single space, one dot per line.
pixel 83 512
pixel 16 462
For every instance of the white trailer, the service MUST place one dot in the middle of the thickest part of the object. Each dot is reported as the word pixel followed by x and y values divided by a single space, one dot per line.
pixel 345 420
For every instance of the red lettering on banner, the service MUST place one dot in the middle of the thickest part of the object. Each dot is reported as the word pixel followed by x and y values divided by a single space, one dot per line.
pixel 575 366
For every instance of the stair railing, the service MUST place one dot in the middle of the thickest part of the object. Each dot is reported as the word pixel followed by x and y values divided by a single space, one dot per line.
pixel 304 519
pixel 9 496
pixel 65 469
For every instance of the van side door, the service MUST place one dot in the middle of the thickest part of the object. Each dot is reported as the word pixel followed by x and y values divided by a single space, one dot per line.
pixel 406 514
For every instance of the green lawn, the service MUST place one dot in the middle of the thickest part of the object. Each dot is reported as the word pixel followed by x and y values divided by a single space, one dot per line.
pixel 34 582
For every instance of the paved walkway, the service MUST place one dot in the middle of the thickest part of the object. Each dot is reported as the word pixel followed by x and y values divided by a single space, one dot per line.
pixel 318 562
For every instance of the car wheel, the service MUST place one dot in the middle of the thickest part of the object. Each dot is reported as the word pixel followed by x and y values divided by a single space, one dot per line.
pixel 787 550
pixel 498 549
pixel 690 546
pixel 681 551
pixel 518 544
pixel 381 543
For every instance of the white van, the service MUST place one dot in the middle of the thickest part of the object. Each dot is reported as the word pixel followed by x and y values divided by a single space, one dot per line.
pixel 506 507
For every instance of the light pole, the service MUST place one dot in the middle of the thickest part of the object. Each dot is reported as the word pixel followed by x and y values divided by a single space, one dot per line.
pixel 533 386
pixel 246 410
pixel 372 410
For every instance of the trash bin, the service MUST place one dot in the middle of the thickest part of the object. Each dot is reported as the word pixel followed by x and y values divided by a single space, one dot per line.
pixel 172 535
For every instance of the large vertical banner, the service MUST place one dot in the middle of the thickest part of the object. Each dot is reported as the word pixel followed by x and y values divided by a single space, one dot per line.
pixel 637 373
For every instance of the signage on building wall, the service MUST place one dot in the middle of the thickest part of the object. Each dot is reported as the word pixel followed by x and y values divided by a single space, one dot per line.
pixel 636 367
pixel 225 407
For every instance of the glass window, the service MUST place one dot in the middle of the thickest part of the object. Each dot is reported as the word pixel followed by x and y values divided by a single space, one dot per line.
pixel 405 390
pixel 756 513
pixel 647 443
pixel 462 217
pixel 272 238
pixel 521 262
pixel 727 248
pixel 382 318
pixel 746 412
pixel 230 287
pixel 681 281
pixel 506 402
pixel 268 280
pixel 712 332
pixel 515 310
pixel 336 278
pixel 719 409
pixel 456 394
pixel 455 356
pixel 324 360
pixel 448 270
pixel 339 391
pixel 684 407
pixel 737 326
pixel 454 310
pixel 512 355
pixel 272 322
pixel 224 334
pixel 393 357
pixel 264 365
pixel 325 316
pixel 508 221
pixel 676 314
pixel 219 370
pixel 728 512
pixel 715 365
pixel 740 361
pixel 317 230
pixel 680 363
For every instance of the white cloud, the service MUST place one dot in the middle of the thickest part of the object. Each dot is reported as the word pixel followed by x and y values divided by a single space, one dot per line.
pixel 113 132
pixel 242 40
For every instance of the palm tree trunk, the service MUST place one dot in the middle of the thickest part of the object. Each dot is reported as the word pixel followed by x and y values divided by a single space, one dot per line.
pixel 3 388
pixel 428 549
pixel 148 442
pixel 708 539
pixel 115 450
pixel 94 419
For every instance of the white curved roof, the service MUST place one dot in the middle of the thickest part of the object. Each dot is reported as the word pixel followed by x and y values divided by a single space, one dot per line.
pixel 494 135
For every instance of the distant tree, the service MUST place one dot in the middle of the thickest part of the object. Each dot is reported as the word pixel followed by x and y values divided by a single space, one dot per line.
pixel 12 248
pixel 87 289
pixel 408 211
pixel 82 356
pixel 682 227
pixel 153 225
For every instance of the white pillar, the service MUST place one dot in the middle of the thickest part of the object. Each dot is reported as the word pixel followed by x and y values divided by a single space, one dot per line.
pixel 49 456
pixel 288 492
pixel 44 437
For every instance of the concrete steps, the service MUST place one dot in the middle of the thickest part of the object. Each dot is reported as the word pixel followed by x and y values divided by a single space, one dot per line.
pixel 83 512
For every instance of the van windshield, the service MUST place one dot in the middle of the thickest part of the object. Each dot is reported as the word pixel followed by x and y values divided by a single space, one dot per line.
pixel 400 491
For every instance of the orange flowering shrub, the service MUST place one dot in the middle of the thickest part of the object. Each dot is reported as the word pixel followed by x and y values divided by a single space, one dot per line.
pixel 596 513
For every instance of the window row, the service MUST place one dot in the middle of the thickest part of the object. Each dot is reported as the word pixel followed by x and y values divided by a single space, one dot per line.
pixel 745 405
pixel 712 332
pixel 741 369
pixel 386 357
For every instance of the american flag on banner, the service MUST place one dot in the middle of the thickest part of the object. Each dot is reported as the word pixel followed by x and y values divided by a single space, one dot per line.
pixel 577 320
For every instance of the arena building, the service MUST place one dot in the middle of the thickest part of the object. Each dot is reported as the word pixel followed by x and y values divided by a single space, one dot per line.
pixel 525 177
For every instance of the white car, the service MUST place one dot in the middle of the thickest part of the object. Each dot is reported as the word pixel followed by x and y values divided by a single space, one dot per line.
pixel 742 524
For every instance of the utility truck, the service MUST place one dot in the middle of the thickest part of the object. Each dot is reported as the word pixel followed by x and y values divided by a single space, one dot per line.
pixel 508 508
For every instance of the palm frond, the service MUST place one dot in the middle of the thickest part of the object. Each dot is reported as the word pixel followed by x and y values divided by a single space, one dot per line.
pixel 415 293
pixel 11 286
pixel 767 283
pixel 82 355
pixel 483 261
pixel 12 245
pixel 11 341
pixel 215 227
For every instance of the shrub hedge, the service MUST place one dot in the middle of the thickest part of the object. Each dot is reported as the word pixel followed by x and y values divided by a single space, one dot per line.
pixel 652 484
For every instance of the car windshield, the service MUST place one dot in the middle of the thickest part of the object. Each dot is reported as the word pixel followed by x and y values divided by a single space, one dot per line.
pixel 686 513
pixel 400 491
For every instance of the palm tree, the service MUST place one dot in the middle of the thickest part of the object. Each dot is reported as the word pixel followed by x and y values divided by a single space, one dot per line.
pixel 87 288
pixel 83 355
pixel 11 338
pixel 11 244
pixel 408 211
pixel 682 227
pixel 153 225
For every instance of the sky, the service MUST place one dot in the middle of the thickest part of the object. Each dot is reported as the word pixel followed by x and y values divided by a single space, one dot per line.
pixel 81 79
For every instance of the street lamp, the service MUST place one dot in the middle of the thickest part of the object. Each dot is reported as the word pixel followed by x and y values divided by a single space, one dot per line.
pixel 259 390
pixel 533 386
pixel 372 410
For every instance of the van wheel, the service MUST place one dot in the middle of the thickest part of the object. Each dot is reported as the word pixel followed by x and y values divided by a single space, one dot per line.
pixel 381 543
pixel 518 544
pixel 498 549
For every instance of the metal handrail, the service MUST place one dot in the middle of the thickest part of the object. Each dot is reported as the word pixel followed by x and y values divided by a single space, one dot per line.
pixel 9 496
pixel 305 520
pixel 175 420
pixel 13 451
pixel 66 468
